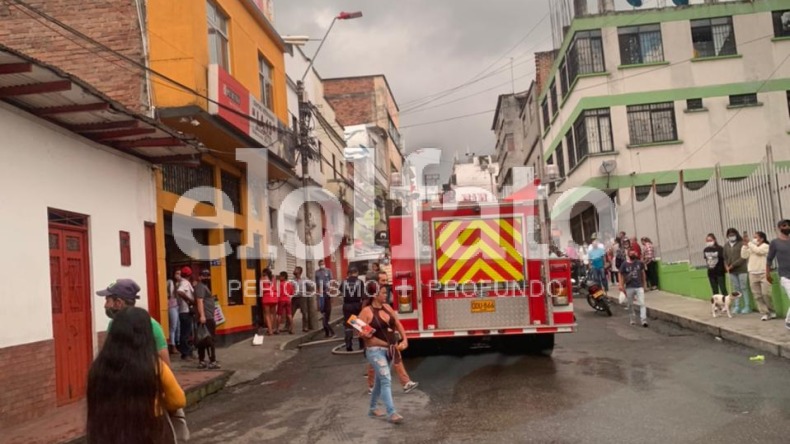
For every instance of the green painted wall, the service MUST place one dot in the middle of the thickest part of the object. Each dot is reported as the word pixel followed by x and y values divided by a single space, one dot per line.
pixel 688 281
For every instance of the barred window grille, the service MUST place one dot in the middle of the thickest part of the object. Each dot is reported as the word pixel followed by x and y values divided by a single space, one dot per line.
pixel 571 150
pixel 743 99
pixel 781 23
pixel 545 110
pixel 788 101
pixel 652 123
pixel 713 37
pixel 694 104
pixel 553 94
pixel 231 185
pixel 593 131
pixel 563 73
pixel 641 44
pixel 179 179
pixel 560 160
pixel 584 56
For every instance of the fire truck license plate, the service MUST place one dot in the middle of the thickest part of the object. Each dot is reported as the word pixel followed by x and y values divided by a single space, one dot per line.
pixel 485 306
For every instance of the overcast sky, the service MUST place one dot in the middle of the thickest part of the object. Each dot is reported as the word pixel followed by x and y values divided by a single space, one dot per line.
pixel 425 47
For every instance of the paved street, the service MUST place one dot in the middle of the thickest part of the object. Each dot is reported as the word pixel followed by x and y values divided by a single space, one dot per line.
pixel 608 383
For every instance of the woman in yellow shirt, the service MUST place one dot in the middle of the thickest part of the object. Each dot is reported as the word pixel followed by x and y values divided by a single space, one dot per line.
pixel 130 390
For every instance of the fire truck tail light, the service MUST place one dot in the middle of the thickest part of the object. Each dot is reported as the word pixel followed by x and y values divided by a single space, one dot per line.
pixel 559 291
pixel 405 297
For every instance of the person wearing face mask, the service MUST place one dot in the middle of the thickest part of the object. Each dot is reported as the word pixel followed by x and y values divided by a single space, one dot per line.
pixel 756 252
pixel 736 266
pixel 780 250
pixel 714 258
pixel 122 294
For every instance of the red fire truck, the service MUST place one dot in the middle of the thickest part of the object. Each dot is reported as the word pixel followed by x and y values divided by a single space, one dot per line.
pixel 478 270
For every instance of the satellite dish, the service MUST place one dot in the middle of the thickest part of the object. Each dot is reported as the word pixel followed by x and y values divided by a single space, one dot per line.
pixel 635 3
pixel 608 166
pixel 681 2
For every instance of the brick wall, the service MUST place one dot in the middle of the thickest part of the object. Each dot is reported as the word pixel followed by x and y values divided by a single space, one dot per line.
pixel 27 378
pixel 111 22
pixel 354 100
pixel 543 62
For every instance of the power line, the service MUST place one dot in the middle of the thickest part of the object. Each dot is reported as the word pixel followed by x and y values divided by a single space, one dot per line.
pixel 448 119
pixel 468 96
pixel 21 4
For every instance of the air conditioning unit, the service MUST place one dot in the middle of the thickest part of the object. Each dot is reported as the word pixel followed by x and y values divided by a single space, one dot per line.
pixel 551 173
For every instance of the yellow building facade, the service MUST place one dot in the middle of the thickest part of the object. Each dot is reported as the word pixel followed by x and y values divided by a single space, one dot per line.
pixel 227 88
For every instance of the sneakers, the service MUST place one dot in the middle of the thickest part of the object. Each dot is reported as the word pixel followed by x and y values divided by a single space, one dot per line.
pixel 370 390
pixel 633 322
pixel 411 385
pixel 214 365
pixel 771 315
pixel 764 318
pixel 202 365
pixel 644 324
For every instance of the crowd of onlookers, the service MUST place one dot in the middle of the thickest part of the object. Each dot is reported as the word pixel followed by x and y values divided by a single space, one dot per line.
pixel 747 260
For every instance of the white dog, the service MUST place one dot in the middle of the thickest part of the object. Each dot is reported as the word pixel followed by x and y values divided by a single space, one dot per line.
pixel 720 303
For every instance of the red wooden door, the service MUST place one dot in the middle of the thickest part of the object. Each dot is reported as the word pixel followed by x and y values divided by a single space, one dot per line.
pixel 151 271
pixel 71 310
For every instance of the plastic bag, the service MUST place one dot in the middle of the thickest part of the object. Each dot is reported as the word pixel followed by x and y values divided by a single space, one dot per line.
pixel 622 298
pixel 257 339
pixel 202 335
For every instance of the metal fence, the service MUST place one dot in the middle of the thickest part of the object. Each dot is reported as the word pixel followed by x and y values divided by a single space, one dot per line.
pixel 678 222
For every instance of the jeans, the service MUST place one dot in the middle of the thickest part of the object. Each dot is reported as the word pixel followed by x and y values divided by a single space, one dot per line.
pixel 718 284
pixel 172 315
pixel 348 331
pixel 740 283
pixel 785 283
pixel 208 345
pixel 382 387
pixel 761 290
pixel 639 294
pixel 185 345
pixel 599 276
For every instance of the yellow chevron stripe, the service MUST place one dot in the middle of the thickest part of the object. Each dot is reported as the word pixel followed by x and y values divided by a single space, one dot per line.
pixel 447 232
pixel 502 261
pixel 494 236
pixel 447 255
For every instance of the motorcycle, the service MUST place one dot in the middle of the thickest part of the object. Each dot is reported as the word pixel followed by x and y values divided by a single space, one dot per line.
pixel 589 289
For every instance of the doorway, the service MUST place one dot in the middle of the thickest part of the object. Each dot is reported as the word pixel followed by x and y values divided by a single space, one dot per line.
pixel 69 270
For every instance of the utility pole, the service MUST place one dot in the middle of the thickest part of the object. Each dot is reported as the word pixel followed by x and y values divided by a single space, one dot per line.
pixel 305 148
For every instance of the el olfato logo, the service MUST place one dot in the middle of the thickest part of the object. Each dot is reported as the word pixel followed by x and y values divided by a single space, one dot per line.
pixel 366 212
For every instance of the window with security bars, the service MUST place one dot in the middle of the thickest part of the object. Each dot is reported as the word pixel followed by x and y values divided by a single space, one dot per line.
pixel 545 110
pixel 217 36
pixel 593 133
pixel 788 101
pixel 179 179
pixel 713 37
pixel 694 104
pixel 781 23
pixel 743 99
pixel 553 95
pixel 559 158
pixel 231 185
pixel 584 56
pixel 640 44
pixel 652 123
pixel 569 143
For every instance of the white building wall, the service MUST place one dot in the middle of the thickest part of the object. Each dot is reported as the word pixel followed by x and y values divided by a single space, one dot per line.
pixel 45 166
pixel 716 136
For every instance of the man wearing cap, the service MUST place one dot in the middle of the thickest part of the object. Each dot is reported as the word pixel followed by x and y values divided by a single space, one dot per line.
pixel 123 293
pixel 186 299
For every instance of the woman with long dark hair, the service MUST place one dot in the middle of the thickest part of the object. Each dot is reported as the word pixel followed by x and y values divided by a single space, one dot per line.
pixel 130 390
pixel 714 258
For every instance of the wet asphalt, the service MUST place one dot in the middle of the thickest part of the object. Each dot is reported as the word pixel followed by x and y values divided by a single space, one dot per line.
pixel 608 383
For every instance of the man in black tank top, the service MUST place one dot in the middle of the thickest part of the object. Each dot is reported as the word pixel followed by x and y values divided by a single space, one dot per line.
pixel 352 291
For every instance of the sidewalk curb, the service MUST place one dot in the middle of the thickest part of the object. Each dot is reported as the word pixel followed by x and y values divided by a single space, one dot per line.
pixel 294 343
pixel 767 346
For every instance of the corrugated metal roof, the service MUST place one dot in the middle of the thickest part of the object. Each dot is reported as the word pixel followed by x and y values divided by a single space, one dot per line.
pixel 65 100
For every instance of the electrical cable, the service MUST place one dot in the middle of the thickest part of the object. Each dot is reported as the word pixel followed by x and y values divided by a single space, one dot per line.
pixel 21 4
pixel 448 119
